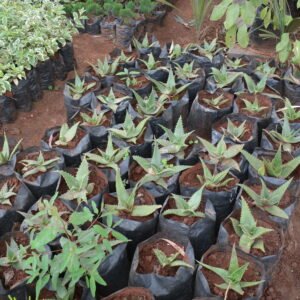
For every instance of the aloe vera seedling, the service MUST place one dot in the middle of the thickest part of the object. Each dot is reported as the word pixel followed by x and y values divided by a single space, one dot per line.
pixel 187 208
pixel 40 165
pixel 130 132
pixel 6 193
pixel 269 200
pixel 287 138
pixel 216 102
pixel 105 68
pixel 96 119
pixel 66 134
pixel 233 132
pixel 222 154
pixel 152 105
pixel 215 179
pixel 6 155
pixel 207 49
pixel 151 63
pixel 170 87
pixel 175 51
pixel 129 77
pixel 111 101
pixel 251 235
pixel 275 167
pixel 170 261
pixel 234 64
pixel 233 276
pixel 174 142
pixel 79 185
pixel 254 88
pixel 110 157
pixel 123 58
pixel 79 87
pixel 126 200
pixel 224 78
pixel 290 111
pixel 145 43
pixel 158 169
pixel 187 71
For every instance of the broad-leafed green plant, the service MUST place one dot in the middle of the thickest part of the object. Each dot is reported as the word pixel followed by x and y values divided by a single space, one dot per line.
pixel 287 137
pixel 126 200
pixel 275 167
pixel 169 88
pixel 105 68
pixel 6 192
pixel 158 170
pixel 111 101
pixel 66 134
pixel 110 157
pixel 216 102
pixel 96 119
pixel 223 77
pixel 250 235
pixel 130 132
pixel 187 207
pixel 145 43
pixel 152 105
pixel 79 187
pixel 187 71
pixel 170 261
pixel 215 179
pixel 174 142
pixel 79 87
pixel 39 165
pixel 222 154
pixel 6 154
pixel 292 113
pixel 269 200
pixel 233 276
pixel 129 77
pixel 233 132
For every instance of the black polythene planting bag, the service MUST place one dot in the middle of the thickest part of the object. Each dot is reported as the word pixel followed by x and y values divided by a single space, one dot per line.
pixel 21 94
pixel 92 25
pixel 291 90
pixel 180 286
pixel 202 233
pixel 46 183
pixel 59 67
pixel 8 110
pixel 46 72
pixel 67 53
pixel 34 85
pixel 124 34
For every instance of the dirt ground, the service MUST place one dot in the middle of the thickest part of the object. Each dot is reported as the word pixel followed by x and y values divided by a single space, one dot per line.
pixel 50 112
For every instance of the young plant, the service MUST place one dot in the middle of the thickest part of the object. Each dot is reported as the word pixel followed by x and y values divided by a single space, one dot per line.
pixel 145 43
pixel 6 193
pixel 216 102
pixel 224 78
pixel 175 51
pixel 275 167
pixel 187 71
pixel 129 76
pixel 79 87
pixel 287 138
pixel 269 200
pixel 151 63
pixel 40 165
pixel 187 208
pixel 233 132
pixel 110 157
pixel 105 68
pixel 208 50
pixel 130 132
pixel 234 63
pixel 152 105
pixel 6 155
pixel 222 154
pixel 66 134
pixel 290 111
pixel 158 170
pixel 254 88
pixel 79 186
pixel 174 142
pixel 215 180
pixel 126 200
pixel 97 118
pixel 170 261
pixel 111 101
pixel 249 233
pixel 233 276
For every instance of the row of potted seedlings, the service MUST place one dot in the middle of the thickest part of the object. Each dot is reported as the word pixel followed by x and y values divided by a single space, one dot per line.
pixel 132 192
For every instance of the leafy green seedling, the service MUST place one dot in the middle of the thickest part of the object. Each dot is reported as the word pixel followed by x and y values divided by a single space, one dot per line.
pixel 105 68
pixel 6 155
pixel 6 193
pixel 233 132
pixel 111 101
pixel 79 87
pixel 66 134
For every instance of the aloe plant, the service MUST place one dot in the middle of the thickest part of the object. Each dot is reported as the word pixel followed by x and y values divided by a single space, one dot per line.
pixel 250 235
pixel 254 106
pixel 254 88
pixel 145 43
pixel 215 179
pixel 269 200
pixel 6 155
pixel 79 87
pixel 233 132
pixel 157 169
pixel 40 165
pixel 187 71
pixel 105 68
pixel 187 208
pixel 6 193
pixel 170 261
pixel 96 119
pixel 234 64
pixel 175 51
pixel 151 63
pixel 290 111
pixel 152 105
pixel 169 88
pixel 66 134
pixel 174 142
pixel 275 167
pixel 216 102
pixel 208 50
pixel 130 132
pixel 110 157
pixel 287 138
pixel 224 78
pixel 126 200
pixel 123 58
pixel 111 101
pixel 233 276
pixel 79 185
pixel 129 77
pixel 222 154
